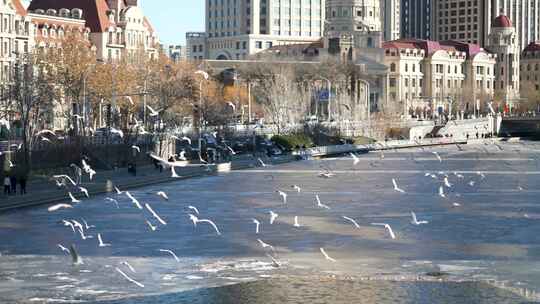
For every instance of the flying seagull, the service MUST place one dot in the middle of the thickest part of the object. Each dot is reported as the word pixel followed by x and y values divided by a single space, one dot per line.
pixel 441 192
pixel 230 104
pixel 185 138
pixel 163 195
pixel 261 162
pixel 447 183
pixel 73 199
pixel 58 207
pixel 273 217
pixel 326 256
pixel 396 187
pixel 355 158
pixel 152 227
pixel 297 188
pixel 153 112
pixel 390 231
pixel 194 209
pixel 437 155
pixel 129 266
pixel 257 225
pixel 296 224
pixel 171 253
pixel 101 244
pixel 85 191
pixel 195 221
pixel 265 245
pixel 319 204
pixel 352 221
pixel 283 196
pixel 129 279
pixel 415 220
pixel 137 148
pixel 63 248
pixel 149 208
pixel 134 200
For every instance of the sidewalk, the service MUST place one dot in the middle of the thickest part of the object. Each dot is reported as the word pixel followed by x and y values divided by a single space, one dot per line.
pixel 43 191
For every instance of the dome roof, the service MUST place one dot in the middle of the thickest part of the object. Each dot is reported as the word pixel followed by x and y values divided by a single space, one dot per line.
pixel 502 21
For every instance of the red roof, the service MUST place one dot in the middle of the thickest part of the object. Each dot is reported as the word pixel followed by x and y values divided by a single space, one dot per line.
pixel 431 47
pixel 94 11
pixel 469 48
pixel 532 47
pixel 502 21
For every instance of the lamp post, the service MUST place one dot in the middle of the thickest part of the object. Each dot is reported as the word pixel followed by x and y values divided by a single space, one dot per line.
pixel 329 84
pixel 205 76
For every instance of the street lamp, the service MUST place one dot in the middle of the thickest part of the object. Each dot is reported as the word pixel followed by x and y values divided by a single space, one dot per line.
pixel 205 77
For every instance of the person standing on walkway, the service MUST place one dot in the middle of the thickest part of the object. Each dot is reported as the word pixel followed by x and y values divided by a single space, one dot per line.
pixel 22 183
pixel 7 185
pixel 13 181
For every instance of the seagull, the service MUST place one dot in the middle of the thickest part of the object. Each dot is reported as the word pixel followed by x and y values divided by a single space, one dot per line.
pixel 447 183
pixel 118 191
pixel 297 188
pixel 261 162
pixel 472 183
pixel 415 220
pixel 11 165
pixel 58 207
pixel 73 199
pixel 77 225
pixel 230 104
pixel 88 169
pixel 65 177
pixel 155 214
pixel 83 236
pixel 441 192
pixel 456 205
pixel 194 209
pixel 63 248
pixel 171 253
pixel 356 160
pixel 69 224
pixel 153 112
pixel 273 217
pixel 129 279
pixel 275 262
pixel 185 138
pixel 101 244
pixel 326 256
pixel 163 195
pixel 173 173
pixel 134 200
pixel 319 204
pixel 182 155
pixel 196 220
pixel 438 156
pixel 390 231
pixel 116 131
pixel 326 174
pixel 231 150
pixel 86 226
pixel 129 266
pixel 112 200
pixel 265 245
pixel 136 148
pixel 482 175
pixel 76 258
pixel 283 196
pixel 257 224
pixel 152 227
pixel 85 191
pixel 296 224
pixel 396 187
pixel 352 221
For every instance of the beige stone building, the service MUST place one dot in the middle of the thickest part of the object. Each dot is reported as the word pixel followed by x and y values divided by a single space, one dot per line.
pixel 428 76
pixel 530 67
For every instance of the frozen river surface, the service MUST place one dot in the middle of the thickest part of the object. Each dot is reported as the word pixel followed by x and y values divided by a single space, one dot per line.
pixel 481 245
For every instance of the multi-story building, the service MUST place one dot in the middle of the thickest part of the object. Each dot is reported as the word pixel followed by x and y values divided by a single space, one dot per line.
pixel 176 52
pixel 236 29
pixel 16 33
pixel 530 67
pixel 118 28
pixel 430 76
pixel 391 19
pixel 471 21
pixel 416 19
pixel 503 41
pixel 196 46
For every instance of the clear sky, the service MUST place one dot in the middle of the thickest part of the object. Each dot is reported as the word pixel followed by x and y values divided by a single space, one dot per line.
pixel 173 18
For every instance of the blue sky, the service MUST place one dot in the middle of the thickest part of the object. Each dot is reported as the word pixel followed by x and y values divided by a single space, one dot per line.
pixel 173 18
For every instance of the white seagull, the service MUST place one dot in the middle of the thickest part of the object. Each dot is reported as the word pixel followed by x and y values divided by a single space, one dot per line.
pixel 163 195
pixel 352 221
pixel 447 183
pixel 257 225
pixel 355 158
pixel 137 148
pixel 326 256
pixel 185 138
pixel 134 200
pixel 171 253
pixel 85 191
pixel 118 190
pixel 86 226
pixel 297 188
pixel 283 196
pixel 63 248
pixel 233 107
pixel 273 217
pixel 153 112
pixel 65 177
pixel 69 224
pixel 194 209
pixel 438 156
pixel 152 227
pixel 396 186
pixel 73 199
pixel 101 244
pixel 441 192
pixel 261 162
pixel 265 245
pixel 415 220
pixel 390 231
pixel 112 200
pixel 155 214
pixel 118 132
pixel 319 204
pixel 296 224
pixel 196 220
pixel 129 266
pixel 58 207
pixel 129 279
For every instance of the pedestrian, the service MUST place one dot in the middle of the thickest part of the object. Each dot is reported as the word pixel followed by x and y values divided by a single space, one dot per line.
pixel 13 181
pixel 7 185
pixel 22 183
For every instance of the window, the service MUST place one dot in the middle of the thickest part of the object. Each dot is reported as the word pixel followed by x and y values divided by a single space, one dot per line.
pixel 393 67
pixel 258 44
